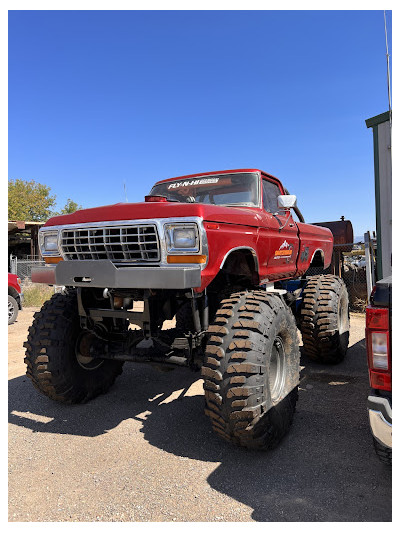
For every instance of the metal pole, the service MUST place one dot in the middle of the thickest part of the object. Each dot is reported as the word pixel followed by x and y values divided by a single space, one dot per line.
pixel 369 265
pixel 388 71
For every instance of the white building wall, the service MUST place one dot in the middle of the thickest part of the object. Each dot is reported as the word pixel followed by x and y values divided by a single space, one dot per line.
pixel 385 194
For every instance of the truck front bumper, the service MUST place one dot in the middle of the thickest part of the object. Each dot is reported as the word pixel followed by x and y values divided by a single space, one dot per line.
pixel 103 273
pixel 380 419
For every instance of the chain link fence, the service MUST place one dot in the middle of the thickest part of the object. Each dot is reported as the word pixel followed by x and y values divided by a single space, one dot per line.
pixel 23 267
pixel 348 262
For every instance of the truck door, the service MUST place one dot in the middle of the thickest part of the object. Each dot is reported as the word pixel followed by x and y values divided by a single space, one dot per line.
pixel 278 237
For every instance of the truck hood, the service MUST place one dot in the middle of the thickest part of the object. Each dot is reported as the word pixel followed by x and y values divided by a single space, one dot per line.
pixel 247 216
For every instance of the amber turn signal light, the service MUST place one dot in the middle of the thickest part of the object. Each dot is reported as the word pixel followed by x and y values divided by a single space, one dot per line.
pixel 186 259
pixel 52 260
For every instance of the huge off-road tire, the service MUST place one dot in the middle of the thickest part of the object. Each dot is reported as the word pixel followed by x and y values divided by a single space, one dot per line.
pixel 325 319
pixel 251 370
pixel 54 360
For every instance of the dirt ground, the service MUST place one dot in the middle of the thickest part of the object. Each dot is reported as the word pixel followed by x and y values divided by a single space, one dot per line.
pixel 145 451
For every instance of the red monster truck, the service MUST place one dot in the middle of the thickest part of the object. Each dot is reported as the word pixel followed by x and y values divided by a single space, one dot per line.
pixel 220 252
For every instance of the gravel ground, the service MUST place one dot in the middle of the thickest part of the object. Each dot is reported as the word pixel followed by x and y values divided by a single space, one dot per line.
pixel 145 451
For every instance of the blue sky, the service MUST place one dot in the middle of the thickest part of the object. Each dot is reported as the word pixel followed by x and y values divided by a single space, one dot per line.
pixel 97 98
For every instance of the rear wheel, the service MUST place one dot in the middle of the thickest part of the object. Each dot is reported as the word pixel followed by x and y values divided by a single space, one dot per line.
pixel 251 370
pixel 58 354
pixel 325 319
pixel 383 452
pixel 12 309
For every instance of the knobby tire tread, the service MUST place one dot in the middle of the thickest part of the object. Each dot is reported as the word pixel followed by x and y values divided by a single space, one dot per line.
pixel 50 355
pixel 319 316
pixel 235 372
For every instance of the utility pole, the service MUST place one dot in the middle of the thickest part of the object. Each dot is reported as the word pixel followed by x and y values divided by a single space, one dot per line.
pixel 388 71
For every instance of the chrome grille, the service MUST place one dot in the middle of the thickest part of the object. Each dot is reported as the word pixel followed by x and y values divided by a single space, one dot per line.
pixel 118 243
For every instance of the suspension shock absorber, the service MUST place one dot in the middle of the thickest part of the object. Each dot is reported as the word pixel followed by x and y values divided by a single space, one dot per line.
pixel 196 313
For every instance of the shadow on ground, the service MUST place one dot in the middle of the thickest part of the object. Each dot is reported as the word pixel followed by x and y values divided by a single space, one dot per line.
pixel 324 470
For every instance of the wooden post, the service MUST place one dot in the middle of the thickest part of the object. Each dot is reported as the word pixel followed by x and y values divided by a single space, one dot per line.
pixel 34 241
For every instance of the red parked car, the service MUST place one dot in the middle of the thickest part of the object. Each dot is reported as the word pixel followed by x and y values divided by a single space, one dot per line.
pixel 14 297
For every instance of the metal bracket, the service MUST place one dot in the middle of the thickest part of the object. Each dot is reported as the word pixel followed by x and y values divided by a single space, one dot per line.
pixel 271 289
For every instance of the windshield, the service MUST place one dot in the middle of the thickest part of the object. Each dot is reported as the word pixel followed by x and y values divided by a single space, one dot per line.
pixel 239 189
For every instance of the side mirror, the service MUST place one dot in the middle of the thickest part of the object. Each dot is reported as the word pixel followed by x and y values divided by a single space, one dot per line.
pixel 287 201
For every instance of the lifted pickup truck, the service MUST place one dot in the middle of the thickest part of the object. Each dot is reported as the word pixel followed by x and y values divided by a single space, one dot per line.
pixel 379 340
pixel 220 252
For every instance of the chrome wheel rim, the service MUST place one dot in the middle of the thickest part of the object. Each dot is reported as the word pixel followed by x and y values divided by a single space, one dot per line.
pixel 10 310
pixel 276 374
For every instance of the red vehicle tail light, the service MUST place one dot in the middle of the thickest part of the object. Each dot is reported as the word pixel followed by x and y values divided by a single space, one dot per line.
pixel 378 348
pixel 377 318
pixel 380 381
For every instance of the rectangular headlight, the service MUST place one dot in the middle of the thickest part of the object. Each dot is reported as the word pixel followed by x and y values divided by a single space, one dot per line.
pixel 182 238
pixel 48 243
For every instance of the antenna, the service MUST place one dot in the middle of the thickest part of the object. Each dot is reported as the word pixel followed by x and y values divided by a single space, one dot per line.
pixel 126 198
pixel 388 70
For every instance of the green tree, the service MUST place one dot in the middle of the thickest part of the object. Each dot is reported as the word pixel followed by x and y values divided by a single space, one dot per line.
pixel 29 200
pixel 70 207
